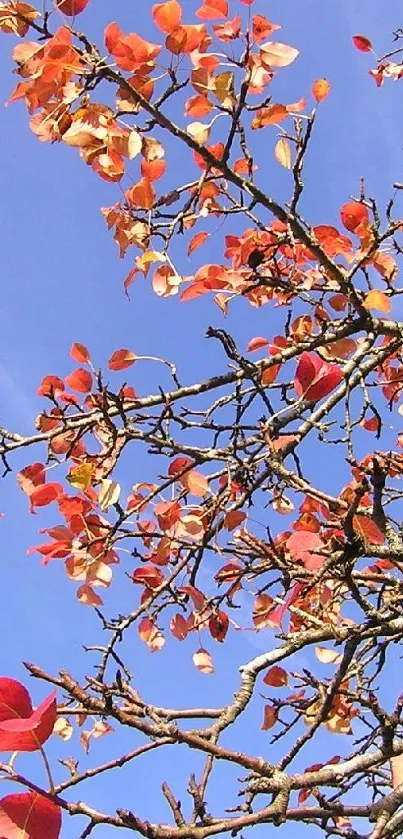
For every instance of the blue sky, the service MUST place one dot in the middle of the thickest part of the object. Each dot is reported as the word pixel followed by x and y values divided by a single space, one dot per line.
pixel 62 281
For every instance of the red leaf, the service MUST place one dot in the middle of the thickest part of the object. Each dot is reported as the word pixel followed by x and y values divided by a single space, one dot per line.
pixel 51 386
pixel 269 718
pixel 179 627
pixel 315 378
pixel 71 7
pixel 80 353
pixel 368 530
pixel 31 477
pixel 304 545
pixel 276 677
pixel 28 815
pixel 21 728
pixel 196 595
pixel 149 576
pixel 362 43
pixel 45 494
pixel 15 700
pixel 233 519
pixel 179 465
pixel 79 380
pixel 121 359
pixel 257 344
pixel 218 626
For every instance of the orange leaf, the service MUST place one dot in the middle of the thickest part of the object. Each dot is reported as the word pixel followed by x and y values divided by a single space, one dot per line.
pixel 80 353
pixel 121 359
pixel 197 240
pixel 212 9
pixel 320 89
pixel 152 170
pixel 79 380
pixel 269 718
pixel 167 16
pixel 377 300
pixel 276 677
pixel 51 386
pixel 353 215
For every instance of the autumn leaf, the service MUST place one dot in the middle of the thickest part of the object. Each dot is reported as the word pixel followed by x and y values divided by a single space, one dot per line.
pixel 315 378
pixel 269 717
pixel 80 353
pixel 71 7
pixel 121 359
pixel 353 216
pixel 218 626
pixel 109 494
pixel 21 728
pixel 167 16
pixel 282 153
pixel 28 815
pixel 305 546
pixel 202 661
pixel 276 677
pixel 81 476
pixel 320 89
pixel 362 43
pixel 197 241
pixel 179 627
pixel 79 380
pixel 276 54
pixel 377 300
pixel 148 575
pixel 195 483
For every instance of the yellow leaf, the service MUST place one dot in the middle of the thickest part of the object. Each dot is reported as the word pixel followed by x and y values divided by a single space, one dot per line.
pixel 224 89
pixel 282 153
pixel 80 476
pixel 377 300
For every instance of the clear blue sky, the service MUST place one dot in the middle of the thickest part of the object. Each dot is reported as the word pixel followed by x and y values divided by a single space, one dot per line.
pixel 62 281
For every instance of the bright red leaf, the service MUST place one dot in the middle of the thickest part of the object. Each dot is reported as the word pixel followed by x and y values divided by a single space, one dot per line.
pixel 121 359
pixel 362 43
pixel 21 728
pixel 27 815
pixel 315 378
